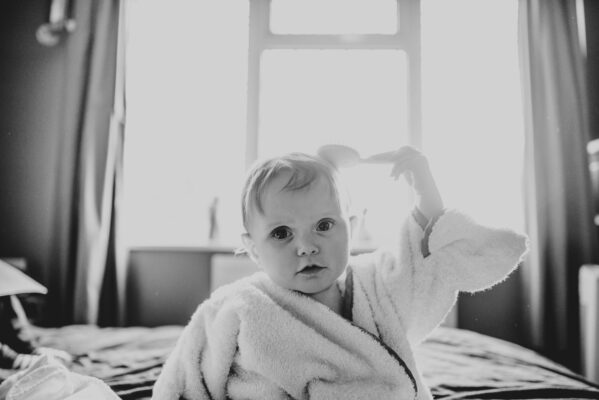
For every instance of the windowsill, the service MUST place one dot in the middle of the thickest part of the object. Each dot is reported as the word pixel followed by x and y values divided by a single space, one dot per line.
pixel 223 248
pixel 214 248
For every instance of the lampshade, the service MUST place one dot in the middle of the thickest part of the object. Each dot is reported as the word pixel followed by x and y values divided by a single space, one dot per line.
pixel 13 281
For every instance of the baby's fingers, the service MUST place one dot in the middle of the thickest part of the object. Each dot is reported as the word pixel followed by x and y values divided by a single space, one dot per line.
pixel 397 170
pixel 405 164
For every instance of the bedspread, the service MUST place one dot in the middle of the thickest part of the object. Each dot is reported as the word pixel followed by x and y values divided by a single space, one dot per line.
pixel 461 364
pixel 456 364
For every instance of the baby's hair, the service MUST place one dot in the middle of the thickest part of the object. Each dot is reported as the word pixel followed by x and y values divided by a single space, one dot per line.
pixel 304 169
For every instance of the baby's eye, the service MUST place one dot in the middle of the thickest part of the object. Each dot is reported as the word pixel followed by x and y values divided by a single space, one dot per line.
pixel 281 233
pixel 325 225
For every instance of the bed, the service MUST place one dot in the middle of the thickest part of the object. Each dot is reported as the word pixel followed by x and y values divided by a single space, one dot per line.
pixel 456 364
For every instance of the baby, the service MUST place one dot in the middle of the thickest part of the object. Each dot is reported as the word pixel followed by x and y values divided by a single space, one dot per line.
pixel 316 323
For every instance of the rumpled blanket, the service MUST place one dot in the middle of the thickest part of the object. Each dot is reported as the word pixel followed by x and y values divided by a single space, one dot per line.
pixel 455 363
pixel 255 340
pixel 49 379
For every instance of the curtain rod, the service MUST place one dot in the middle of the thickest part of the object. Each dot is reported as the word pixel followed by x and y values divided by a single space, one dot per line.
pixel 59 23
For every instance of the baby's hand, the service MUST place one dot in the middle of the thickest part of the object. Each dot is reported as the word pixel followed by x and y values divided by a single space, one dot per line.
pixel 407 160
pixel 413 165
pixel 410 162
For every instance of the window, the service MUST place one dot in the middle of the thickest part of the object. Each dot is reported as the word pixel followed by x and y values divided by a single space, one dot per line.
pixel 473 129
pixel 186 77
pixel 213 85
pixel 336 78
pixel 333 16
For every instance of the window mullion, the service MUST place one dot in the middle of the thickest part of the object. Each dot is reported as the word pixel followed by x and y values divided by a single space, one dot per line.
pixel 410 28
pixel 258 30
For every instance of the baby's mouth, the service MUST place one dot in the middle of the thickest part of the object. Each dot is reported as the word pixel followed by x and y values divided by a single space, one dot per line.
pixel 311 269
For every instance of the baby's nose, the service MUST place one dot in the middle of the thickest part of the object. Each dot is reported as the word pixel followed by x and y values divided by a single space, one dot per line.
pixel 307 247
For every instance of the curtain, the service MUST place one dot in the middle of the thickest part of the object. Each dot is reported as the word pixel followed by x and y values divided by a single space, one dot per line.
pixel 88 171
pixel 559 200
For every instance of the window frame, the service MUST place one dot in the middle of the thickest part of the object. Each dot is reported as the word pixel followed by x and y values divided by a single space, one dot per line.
pixel 261 38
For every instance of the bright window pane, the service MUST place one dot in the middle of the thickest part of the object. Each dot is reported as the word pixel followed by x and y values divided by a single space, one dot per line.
pixel 357 98
pixel 186 106
pixel 333 16
pixel 186 109
pixel 472 111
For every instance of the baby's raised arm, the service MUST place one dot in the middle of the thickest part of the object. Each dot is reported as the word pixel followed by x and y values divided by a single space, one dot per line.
pixel 414 166
pixel 440 253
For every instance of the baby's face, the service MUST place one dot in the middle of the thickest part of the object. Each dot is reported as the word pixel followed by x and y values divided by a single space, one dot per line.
pixel 302 238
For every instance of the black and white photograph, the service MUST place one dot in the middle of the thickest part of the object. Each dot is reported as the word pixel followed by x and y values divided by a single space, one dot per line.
pixel 299 199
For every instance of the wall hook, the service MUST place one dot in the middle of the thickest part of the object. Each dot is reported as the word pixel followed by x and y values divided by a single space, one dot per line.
pixel 49 34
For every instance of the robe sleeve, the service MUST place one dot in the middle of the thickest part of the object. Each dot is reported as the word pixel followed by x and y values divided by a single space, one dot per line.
pixel 462 256
pixel 199 365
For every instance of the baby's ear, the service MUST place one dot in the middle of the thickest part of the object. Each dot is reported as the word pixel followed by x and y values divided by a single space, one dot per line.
pixel 250 246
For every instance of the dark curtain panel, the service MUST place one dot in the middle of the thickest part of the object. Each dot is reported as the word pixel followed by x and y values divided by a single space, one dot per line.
pixel 90 146
pixel 559 202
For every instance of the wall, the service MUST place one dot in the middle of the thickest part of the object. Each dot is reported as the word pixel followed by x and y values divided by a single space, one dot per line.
pixel 497 312
pixel 30 90
pixel 165 285
pixel 592 29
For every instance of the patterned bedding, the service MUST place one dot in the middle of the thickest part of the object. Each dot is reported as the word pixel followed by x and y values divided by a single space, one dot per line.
pixel 456 364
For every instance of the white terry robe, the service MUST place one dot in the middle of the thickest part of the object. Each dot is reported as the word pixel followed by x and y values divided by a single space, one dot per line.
pixel 255 340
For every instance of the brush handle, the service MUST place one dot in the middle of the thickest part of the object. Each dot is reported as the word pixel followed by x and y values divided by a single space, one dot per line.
pixel 381 158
